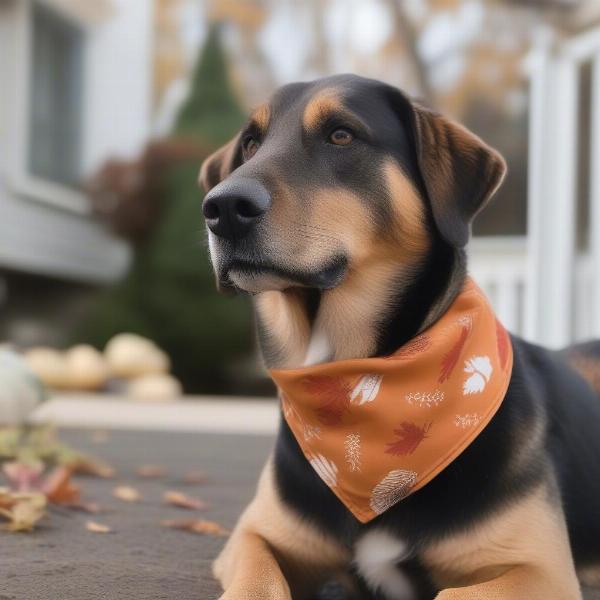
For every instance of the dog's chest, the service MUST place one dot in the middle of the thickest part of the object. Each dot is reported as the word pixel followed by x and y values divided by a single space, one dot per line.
pixel 379 557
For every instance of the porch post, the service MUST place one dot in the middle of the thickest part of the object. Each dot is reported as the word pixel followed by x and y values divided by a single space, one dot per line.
pixel 552 206
pixel 595 195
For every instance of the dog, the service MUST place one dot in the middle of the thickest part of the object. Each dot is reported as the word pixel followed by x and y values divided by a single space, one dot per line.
pixel 343 209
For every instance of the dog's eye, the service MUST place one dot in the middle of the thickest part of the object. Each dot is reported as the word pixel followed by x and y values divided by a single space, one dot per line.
pixel 250 146
pixel 341 137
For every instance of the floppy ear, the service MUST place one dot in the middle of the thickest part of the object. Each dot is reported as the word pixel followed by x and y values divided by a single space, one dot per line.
pixel 460 173
pixel 220 164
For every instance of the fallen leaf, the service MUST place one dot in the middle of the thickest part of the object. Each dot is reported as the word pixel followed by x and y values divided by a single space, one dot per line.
pixel 183 500
pixel 127 493
pixel 150 471
pixel 94 468
pixel 95 527
pixel 196 526
pixel 25 511
pixel 58 487
pixel 23 476
pixel 87 507
pixel 195 477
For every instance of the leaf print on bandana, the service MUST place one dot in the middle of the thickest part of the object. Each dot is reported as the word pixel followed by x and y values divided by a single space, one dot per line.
pixel 352 448
pixel 466 421
pixel 425 399
pixel 366 389
pixel 410 436
pixel 412 348
pixel 395 486
pixel 334 396
pixel 503 344
pixel 290 413
pixel 326 469
pixel 451 357
pixel 481 369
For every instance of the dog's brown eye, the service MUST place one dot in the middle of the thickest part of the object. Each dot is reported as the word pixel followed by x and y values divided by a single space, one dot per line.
pixel 250 147
pixel 341 137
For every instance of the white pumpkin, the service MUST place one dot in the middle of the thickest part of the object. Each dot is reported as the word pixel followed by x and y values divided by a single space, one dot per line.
pixel 21 391
pixel 86 368
pixel 154 388
pixel 49 365
pixel 129 355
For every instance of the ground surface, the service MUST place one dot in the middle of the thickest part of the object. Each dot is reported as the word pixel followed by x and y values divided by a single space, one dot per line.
pixel 140 560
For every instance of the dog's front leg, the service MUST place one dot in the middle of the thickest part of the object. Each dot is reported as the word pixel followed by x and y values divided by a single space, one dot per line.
pixel 272 554
pixel 523 581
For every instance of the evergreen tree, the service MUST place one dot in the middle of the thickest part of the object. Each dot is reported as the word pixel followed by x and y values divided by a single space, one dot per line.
pixel 169 295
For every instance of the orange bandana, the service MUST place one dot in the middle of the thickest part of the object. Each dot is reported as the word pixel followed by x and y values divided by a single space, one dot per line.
pixel 377 429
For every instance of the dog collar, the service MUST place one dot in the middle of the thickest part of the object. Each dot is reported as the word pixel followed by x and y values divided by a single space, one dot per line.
pixel 378 429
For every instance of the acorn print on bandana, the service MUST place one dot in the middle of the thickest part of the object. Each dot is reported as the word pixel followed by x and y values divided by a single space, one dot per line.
pixel 375 430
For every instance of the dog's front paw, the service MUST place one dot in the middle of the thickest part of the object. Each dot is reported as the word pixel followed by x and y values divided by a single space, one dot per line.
pixel 258 590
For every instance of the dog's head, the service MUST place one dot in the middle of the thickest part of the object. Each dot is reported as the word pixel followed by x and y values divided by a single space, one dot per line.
pixel 336 174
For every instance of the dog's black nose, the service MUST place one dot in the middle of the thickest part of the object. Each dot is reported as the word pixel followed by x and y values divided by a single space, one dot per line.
pixel 233 207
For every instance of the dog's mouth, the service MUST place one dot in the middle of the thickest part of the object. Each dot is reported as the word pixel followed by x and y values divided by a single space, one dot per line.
pixel 260 276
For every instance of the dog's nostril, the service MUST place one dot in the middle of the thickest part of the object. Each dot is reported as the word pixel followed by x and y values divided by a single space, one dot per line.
pixel 211 210
pixel 248 209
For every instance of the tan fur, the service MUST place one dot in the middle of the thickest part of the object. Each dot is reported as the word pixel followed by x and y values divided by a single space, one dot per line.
pixel 590 575
pixel 522 552
pixel 284 316
pixel 347 314
pixel 320 107
pixel 262 116
pixel 272 554
pixel 588 367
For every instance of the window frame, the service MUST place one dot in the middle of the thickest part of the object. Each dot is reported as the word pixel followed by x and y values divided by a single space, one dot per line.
pixel 25 183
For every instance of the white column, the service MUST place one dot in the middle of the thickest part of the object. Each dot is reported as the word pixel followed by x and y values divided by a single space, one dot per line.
pixel 552 198
pixel 595 196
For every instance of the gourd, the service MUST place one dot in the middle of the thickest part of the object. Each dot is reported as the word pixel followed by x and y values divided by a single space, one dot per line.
pixel 21 390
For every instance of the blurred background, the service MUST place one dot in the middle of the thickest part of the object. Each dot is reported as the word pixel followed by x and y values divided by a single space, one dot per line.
pixel 108 107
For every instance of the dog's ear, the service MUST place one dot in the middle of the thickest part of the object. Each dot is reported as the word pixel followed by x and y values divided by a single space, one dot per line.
pixel 459 172
pixel 220 164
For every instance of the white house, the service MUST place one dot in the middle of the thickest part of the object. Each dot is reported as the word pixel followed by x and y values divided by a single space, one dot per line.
pixel 75 88
pixel 546 286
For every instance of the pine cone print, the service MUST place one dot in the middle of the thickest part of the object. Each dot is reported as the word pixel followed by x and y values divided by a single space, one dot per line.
pixel 412 348
pixel 503 342
pixel 451 358
pixel 366 389
pixel 481 369
pixel 334 396
pixel 410 436
pixel 395 486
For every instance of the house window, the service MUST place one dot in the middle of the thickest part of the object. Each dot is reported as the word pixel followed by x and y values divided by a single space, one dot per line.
pixel 55 106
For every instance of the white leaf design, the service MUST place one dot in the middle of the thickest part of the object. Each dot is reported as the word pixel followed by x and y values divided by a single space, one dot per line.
pixel 326 469
pixel 425 399
pixel 468 420
pixel 395 486
pixel 481 369
pixel 352 447
pixel 366 389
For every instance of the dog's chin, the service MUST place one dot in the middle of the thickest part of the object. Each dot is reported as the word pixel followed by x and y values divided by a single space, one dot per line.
pixel 256 282
pixel 254 278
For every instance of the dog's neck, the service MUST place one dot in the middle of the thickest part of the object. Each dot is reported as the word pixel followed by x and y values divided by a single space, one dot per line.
pixel 373 312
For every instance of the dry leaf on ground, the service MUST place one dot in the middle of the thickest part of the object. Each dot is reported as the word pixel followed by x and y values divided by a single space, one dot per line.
pixel 195 477
pixel 127 493
pixel 95 527
pixel 58 487
pixel 183 500
pixel 22 510
pixel 92 508
pixel 150 471
pixel 23 476
pixel 196 526
pixel 93 468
